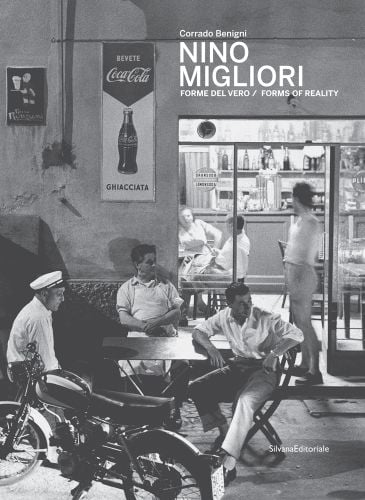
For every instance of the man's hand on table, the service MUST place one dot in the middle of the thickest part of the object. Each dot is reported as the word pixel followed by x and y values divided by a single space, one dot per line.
pixel 150 325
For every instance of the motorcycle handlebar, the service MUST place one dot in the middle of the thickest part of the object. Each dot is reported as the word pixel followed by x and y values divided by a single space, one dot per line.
pixel 32 347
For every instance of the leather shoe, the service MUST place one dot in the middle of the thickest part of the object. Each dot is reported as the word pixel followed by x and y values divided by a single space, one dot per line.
pixel 229 475
pixel 183 321
pixel 175 421
pixel 310 379
pixel 176 418
pixel 216 446
pixel 298 371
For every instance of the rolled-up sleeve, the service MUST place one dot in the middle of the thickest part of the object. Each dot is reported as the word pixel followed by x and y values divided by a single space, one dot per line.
pixel 285 334
pixel 123 299
pixel 283 329
pixel 173 295
pixel 211 326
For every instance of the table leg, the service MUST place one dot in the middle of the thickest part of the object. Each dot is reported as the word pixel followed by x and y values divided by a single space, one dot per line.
pixel 131 379
pixel 362 317
pixel 346 312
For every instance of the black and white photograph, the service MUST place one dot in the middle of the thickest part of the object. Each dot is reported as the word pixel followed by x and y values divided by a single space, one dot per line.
pixel 182 235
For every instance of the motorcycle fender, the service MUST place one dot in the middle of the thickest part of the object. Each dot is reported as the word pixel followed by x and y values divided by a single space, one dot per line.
pixel 162 435
pixel 38 419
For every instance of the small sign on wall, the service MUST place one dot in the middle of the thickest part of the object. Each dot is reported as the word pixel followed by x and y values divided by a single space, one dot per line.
pixel 128 163
pixel 25 95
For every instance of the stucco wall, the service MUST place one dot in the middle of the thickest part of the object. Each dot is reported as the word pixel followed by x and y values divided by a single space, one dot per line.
pixel 94 238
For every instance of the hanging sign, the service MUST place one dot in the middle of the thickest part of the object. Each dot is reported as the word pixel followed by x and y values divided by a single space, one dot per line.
pixel 128 162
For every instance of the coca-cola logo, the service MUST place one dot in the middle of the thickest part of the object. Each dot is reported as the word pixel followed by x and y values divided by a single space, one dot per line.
pixel 135 75
pixel 128 141
pixel 128 71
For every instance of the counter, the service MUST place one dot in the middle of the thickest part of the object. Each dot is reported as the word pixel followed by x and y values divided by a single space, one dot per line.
pixel 264 229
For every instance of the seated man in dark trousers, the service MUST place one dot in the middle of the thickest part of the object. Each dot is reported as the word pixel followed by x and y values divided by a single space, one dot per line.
pixel 257 338
pixel 148 306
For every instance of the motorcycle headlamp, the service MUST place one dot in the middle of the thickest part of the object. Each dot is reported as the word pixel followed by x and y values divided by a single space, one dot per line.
pixel 18 372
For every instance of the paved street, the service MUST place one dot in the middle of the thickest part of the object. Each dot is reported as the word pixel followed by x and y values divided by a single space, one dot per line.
pixel 338 474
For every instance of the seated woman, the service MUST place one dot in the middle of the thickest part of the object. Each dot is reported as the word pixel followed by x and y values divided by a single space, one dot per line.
pixel 193 240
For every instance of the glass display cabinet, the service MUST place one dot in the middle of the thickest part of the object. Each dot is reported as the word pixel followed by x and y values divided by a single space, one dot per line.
pixel 347 245
pixel 233 166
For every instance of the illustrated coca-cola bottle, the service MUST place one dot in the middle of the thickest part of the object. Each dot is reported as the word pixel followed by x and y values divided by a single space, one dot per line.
pixel 127 144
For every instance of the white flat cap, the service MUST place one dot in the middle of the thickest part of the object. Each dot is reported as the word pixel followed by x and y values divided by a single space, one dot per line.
pixel 48 280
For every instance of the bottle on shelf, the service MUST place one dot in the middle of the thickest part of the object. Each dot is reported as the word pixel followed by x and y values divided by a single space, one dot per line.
pixel 305 132
pixel 239 162
pixel 271 163
pixel 322 163
pixel 246 161
pixel 291 134
pixel 307 163
pixel 219 160
pixel 260 159
pixel 224 160
pixel 276 134
pixel 230 162
pixel 286 160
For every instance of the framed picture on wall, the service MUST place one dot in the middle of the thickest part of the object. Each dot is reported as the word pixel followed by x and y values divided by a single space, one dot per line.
pixel 25 89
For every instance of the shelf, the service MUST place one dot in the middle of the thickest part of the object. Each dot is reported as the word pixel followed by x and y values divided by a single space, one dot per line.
pixel 350 172
pixel 247 173
pixel 220 212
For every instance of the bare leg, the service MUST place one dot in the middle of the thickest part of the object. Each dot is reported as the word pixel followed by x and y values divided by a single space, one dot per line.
pixel 302 310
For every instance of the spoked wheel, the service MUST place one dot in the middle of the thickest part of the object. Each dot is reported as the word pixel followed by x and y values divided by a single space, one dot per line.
pixel 24 457
pixel 171 475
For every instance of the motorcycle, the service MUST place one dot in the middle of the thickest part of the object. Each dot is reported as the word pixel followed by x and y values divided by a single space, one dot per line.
pixel 101 436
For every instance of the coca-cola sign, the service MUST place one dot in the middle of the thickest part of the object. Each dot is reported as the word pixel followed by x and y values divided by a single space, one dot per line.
pixel 128 70
pixel 128 122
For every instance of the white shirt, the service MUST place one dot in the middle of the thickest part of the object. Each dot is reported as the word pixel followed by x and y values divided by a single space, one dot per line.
pixel 261 332
pixel 303 241
pixel 195 238
pixel 225 256
pixel 33 324
pixel 146 301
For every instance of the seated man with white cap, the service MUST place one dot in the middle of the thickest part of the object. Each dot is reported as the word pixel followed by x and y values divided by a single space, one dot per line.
pixel 34 321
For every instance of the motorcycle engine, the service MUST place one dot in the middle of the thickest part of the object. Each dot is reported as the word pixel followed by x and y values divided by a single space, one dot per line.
pixel 78 444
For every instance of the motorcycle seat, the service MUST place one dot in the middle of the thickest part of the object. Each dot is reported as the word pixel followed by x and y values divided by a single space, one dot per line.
pixel 131 409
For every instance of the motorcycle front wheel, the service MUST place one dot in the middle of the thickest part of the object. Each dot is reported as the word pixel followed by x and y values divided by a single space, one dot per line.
pixel 24 457
pixel 172 471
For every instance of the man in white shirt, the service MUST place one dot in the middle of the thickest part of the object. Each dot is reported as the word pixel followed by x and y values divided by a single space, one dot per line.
pixel 148 306
pixel 34 321
pixel 257 338
pixel 224 257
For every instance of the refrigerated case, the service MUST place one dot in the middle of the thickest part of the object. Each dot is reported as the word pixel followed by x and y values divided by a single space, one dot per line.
pixel 346 221
pixel 242 168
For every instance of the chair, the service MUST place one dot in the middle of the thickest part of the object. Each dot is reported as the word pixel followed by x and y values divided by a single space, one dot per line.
pixel 264 413
pixel 282 246
pixel 216 302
